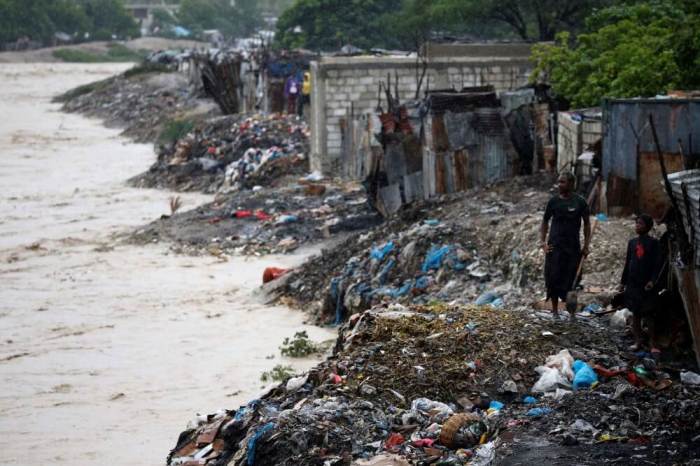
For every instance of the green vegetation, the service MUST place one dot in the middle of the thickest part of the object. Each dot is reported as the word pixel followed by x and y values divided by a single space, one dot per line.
pixel 626 51
pixel 145 68
pixel 300 346
pixel 82 90
pixel 330 24
pixel 175 129
pixel 115 53
pixel 239 20
pixel 277 374
pixel 39 20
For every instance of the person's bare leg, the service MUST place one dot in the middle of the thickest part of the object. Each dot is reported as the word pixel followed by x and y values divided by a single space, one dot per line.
pixel 555 306
pixel 637 330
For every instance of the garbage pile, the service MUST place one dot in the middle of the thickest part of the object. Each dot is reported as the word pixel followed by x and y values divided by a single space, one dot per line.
pixel 262 221
pixel 486 246
pixel 231 152
pixel 442 384
pixel 141 100
pixel 430 260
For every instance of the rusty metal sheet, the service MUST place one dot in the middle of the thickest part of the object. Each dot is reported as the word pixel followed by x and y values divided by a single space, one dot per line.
pixel 459 130
pixel 625 126
pixel 461 170
pixel 389 200
pixel 686 190
pixel 441 141
pixel 653 199
pixel 429 184
pixel 395 162
pixel 413 187
pixel 689 286
pixel 440 174
pixel 621 195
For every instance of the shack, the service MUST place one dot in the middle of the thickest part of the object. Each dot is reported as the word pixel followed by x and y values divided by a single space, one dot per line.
pixel 685 191
pixel 448 142
pixel 630 168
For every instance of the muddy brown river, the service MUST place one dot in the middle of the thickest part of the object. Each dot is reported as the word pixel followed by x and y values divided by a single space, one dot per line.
pixel 106 349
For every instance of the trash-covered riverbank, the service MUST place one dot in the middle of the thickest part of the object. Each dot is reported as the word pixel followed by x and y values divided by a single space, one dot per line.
pixel 442 384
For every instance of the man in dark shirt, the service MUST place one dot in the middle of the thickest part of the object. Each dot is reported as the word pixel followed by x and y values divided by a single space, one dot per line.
pixel 562 248
pixel 642 267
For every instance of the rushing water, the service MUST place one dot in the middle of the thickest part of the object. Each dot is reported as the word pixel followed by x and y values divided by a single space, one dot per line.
pixel 107 350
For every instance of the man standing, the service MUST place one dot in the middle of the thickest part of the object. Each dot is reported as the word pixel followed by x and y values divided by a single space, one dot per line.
pixel 562 249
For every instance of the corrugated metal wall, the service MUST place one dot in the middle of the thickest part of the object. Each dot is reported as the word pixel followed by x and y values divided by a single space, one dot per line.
pixel 625 124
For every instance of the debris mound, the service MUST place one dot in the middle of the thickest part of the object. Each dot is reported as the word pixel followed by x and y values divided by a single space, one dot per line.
pixel 451 384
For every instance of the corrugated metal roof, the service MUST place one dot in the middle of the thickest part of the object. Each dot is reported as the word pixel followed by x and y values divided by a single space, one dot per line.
pixel 626 124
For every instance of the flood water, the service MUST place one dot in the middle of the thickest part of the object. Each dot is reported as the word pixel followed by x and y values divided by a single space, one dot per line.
pixel 106 349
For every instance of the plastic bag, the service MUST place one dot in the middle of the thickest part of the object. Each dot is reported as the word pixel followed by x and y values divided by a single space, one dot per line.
pixel 584 376
pixel 434 409
pixel 562 361
pixel 550 379
pixel 380 253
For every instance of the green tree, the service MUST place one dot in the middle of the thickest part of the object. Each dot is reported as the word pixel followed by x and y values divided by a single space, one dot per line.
pixel 109 17
pixel 239 20
pixel 41 19
pixel 528 19
pixel 68 17
pixel 25 18
pixel 331 24
pixel 628 51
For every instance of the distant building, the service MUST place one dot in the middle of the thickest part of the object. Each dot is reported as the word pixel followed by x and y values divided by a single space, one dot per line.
pixel 142 11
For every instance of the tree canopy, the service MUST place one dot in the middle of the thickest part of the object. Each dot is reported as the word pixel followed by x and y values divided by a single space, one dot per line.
pixel 239 20
pixel 626 51
pixel 41 19
pixel 331 24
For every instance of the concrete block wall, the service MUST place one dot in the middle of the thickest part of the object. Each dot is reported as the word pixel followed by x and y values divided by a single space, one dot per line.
pixel 345 87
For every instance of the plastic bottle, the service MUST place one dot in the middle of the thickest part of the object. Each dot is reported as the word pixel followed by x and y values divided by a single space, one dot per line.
pixel 584 375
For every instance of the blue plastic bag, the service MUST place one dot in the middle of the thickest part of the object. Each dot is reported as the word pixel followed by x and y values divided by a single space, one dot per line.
pixel 422 283
pixel 380 253
pixel 497 405
pixel 537 412
pixel 253 441
pixel 529 400
pixel 384 274
pixel 584 375
pixel 434 258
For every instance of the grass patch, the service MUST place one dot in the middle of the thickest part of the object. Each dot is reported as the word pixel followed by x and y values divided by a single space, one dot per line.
pixel 299 347
pixel 82 90
pixel 173 130
pixel 277 374
pixel 145 68
pixel 115 53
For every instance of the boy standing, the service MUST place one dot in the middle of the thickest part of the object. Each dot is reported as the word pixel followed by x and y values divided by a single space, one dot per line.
pixel 642 267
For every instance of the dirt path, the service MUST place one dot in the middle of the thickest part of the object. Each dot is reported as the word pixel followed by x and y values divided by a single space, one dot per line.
pixel 106 350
